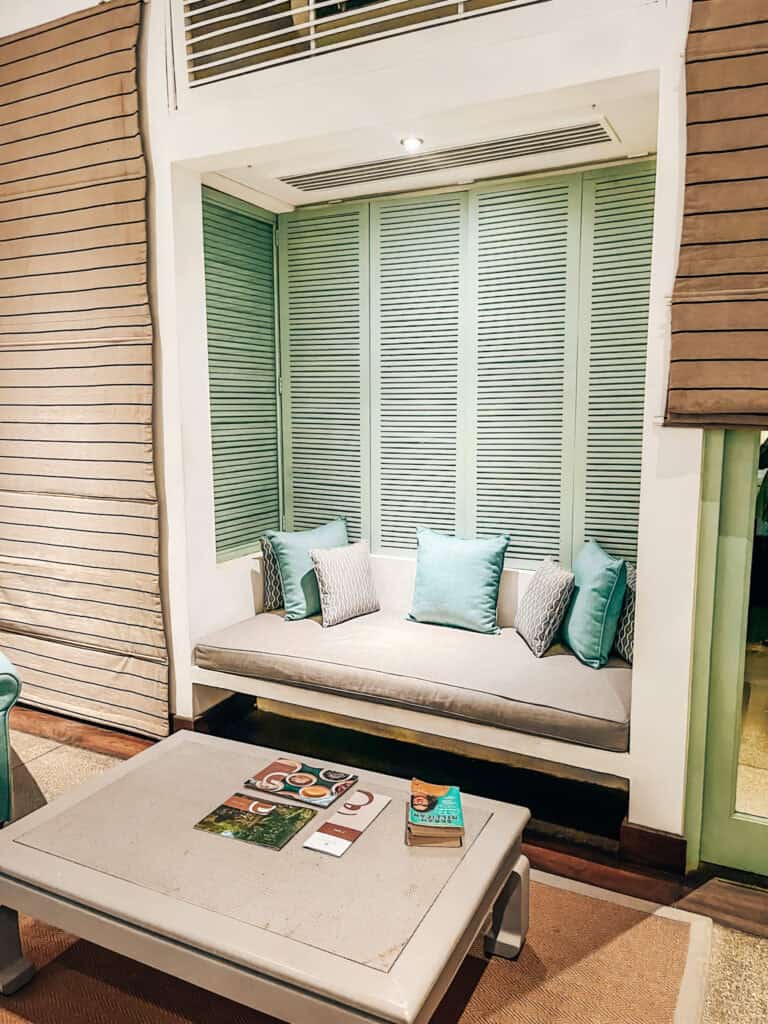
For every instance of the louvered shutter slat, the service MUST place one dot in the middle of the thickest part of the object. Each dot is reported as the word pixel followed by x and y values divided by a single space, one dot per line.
pixel 615 274
pixel 324 283
pixel 416 296
pixel 507 362
pixel 525 242
pixel 240 311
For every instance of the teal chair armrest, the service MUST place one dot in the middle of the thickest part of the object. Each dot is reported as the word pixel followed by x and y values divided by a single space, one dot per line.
pixel 10 688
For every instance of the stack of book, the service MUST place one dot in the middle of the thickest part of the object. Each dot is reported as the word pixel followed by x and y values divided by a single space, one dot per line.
pixel 433 816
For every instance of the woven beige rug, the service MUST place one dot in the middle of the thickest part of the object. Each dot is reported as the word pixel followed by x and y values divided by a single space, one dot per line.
pixel 592 957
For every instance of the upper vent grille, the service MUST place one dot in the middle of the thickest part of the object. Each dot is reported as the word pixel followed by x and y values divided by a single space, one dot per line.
pixel 226 38
pixel 461 156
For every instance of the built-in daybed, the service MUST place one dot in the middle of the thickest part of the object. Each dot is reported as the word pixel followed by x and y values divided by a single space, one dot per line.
pixel 383 658
pixel 483 689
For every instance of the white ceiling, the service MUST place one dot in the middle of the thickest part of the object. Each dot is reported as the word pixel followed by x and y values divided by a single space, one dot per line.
pixel 628 104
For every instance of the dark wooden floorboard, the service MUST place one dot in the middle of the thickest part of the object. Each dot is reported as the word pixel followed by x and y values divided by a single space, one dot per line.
pixel 77 734
pixel 737 906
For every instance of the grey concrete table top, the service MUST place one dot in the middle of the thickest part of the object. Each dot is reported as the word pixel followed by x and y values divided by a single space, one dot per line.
pixel 377 930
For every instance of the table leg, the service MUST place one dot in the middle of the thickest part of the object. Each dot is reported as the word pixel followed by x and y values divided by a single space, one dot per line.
pixel 509 924
pixel 15 971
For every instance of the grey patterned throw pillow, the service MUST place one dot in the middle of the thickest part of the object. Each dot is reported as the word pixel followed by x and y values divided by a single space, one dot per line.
pixel 345 582
pixel 625 632
pixel 273 587
pixel 543 606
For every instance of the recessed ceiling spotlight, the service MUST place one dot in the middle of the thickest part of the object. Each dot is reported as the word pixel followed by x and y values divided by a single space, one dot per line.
pixel 411 144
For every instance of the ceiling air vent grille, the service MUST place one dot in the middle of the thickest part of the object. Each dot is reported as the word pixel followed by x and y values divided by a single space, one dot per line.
pixel 554 139
pixel 234 37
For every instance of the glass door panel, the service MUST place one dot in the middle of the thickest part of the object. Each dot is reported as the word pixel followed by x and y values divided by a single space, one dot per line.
pixel 735 818
pixel 752 772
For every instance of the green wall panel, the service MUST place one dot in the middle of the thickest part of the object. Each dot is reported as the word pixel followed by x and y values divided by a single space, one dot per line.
pixel 471 360
pixel 242 371
pixel 617 241
pixel 527 278
pixel 324 334
pixel 729 836
pixel 417 247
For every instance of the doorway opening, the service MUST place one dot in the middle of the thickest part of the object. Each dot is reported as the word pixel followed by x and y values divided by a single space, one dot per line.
pixel 752 778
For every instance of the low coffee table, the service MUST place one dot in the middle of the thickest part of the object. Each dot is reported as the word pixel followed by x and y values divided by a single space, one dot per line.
pixel 375 935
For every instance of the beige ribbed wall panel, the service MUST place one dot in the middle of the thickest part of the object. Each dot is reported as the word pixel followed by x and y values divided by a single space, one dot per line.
pixel 719 360
pixel 80 600
pixel 88 683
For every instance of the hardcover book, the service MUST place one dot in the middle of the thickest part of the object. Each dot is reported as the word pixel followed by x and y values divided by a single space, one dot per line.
pixel 448 842
pixel 305 783
pixel 435 806
pixel 434 816
pixel 256 820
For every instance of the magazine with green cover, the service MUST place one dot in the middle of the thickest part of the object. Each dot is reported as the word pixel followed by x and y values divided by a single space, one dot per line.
pixel 256 820
pixel 433 807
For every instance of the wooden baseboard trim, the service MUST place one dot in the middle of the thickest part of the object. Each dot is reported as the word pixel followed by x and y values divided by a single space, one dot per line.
pixel 75 733
pixel 584 864
pixel 648 846
pixel 180 723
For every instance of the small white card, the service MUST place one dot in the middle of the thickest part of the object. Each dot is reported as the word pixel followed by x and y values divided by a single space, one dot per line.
pixel 336 835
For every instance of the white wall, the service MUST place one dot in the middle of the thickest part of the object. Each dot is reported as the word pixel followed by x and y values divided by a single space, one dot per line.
pixel 16 17
pixel 410 77
pixel 417 76
pixel 669 506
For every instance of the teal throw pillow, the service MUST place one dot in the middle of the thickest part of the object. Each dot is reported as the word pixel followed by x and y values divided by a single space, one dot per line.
pixel 592 618
pixel 457 581
pixel 301 597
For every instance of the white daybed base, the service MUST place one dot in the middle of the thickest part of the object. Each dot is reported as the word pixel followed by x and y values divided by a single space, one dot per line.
pixel 591 760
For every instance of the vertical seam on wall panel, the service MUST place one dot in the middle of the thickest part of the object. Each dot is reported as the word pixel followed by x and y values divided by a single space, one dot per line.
pixel 703 618
pixel 278 374
pixel 142 41
pixel 169 51
pixel 573 371
pixel 364 264
pixel 205 192
pixel 285 373
pixel 177 31
pixel 466 469
pixel 374 395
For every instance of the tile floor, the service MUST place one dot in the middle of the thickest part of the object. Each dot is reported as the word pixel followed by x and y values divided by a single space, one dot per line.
pixel 44 769
pixel 752 782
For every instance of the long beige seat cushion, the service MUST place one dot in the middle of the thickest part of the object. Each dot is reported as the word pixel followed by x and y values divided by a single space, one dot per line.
pixel 493 680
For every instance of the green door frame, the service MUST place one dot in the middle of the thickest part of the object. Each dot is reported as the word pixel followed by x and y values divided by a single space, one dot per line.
pixel 717 833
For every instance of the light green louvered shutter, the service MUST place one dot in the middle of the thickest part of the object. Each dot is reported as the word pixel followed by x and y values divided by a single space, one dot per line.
pixel 240 309
pixel 416 306
pixel 615 283
pixel 526 287
pixel 324 345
